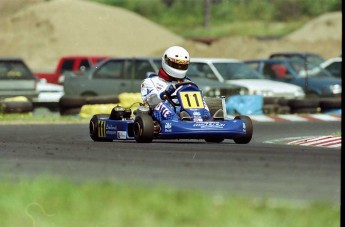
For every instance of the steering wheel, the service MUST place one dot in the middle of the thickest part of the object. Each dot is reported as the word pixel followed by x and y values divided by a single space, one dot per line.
pixel 184 83
pixel 170 98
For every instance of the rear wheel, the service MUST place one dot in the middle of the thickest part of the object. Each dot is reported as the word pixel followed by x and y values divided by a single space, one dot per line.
pixel 143 128
pixel 97 128
pixel 249 130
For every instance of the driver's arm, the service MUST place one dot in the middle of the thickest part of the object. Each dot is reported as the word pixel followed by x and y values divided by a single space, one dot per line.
pixel 149 93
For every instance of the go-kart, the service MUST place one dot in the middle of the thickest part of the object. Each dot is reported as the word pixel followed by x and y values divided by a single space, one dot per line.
pixel 122 124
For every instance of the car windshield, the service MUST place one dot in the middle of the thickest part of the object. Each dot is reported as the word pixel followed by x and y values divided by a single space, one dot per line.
pixel 237 71
pixel 312 58
pixel 158 63
pixel 309 69
pixel 14 70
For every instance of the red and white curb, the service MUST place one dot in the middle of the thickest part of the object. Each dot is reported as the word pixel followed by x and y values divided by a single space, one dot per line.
pixel 322 141
pixel 292 117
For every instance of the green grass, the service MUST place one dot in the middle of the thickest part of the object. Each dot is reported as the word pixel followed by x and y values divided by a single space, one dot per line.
pixel 241 28
pixel 250 17
pixel 54 202
pixel 337 133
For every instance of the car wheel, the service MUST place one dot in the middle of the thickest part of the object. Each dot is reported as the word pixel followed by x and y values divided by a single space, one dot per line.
pixel 143 128
pixel 249 130
pixel 96 128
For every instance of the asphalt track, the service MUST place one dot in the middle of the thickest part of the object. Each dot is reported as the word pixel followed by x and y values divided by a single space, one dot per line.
pixel 261 168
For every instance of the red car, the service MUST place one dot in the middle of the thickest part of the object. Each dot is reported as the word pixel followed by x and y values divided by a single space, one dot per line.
pixel 77 64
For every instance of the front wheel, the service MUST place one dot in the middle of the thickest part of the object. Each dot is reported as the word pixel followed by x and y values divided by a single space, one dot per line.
pixel 143 128
pixel 249 130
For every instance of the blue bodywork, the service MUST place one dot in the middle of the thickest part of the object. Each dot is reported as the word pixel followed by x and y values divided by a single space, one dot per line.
pixel 171 129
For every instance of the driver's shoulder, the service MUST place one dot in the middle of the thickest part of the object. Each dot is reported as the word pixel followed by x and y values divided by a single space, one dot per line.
pixel 151 75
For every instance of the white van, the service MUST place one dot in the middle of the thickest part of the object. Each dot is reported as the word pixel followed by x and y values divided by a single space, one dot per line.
pixel 236 72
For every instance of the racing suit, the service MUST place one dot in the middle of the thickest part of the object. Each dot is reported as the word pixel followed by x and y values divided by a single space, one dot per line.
pixel 152 89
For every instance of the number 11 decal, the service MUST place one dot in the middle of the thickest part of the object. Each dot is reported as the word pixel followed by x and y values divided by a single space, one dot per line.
pixel 191 100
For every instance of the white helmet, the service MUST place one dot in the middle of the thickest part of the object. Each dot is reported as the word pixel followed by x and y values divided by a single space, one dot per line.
pixel 175 62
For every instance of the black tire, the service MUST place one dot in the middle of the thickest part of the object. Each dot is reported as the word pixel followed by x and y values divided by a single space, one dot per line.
pixel 52 106
pixel 72 101
pixel 310 110
pixel 16 107
pixel 283 101
pixel 269 108
pixel 143 128
pixel 330 103
pixel 69 111
pixel 94 128
pixel 249 130
pixel 270 100
pixel 284 110
pixel 103 99
pixel 304 103
pixel 214 140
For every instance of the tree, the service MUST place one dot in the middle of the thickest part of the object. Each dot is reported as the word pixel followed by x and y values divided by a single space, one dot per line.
pixel 207 14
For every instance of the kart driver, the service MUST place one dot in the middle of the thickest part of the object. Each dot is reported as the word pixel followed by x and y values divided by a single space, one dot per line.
pixel 156 87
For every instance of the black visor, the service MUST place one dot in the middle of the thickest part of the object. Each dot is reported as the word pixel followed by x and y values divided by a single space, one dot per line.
pixel 176 63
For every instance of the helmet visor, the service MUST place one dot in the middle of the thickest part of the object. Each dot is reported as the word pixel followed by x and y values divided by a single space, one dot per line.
pixel 177 63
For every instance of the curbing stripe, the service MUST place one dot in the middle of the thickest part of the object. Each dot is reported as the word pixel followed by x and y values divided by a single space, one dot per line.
pixel 325 117
pixel 292 117
pixel 323 141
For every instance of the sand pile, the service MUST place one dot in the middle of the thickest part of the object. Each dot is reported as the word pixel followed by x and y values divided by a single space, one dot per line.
pixel 42 31
pixel 324 28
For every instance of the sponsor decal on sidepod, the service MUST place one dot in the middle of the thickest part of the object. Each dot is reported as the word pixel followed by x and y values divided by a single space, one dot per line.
pixel 209 125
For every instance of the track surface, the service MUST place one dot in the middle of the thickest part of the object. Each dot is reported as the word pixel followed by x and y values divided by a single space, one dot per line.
pixel 260 169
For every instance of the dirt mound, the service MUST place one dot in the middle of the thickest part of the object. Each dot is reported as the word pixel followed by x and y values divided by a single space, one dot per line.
pixel 245 48
pixel 43 31
pixel 325 27
pixel 321 35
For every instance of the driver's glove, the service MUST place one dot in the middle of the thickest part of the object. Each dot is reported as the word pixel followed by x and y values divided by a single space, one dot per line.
pixel 167 92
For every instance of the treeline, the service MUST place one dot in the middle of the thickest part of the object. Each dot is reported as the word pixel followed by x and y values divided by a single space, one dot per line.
pixel 189 13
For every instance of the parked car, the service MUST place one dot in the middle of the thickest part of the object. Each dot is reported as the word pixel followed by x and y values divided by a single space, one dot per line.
pixel 236 72
pixel 333 65
pixel 117 75
pixel 305 56
pixel 48 95
pixel 16 79
pixel 77 64
pixel 316 81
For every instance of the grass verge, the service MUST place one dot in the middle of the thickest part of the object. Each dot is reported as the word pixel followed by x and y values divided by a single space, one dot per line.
pixel 57 202
pixel 241 28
